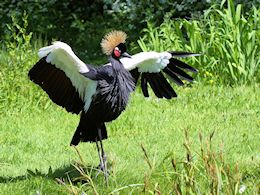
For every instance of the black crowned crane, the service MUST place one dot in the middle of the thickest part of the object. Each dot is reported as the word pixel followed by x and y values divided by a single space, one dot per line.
pixel 100 94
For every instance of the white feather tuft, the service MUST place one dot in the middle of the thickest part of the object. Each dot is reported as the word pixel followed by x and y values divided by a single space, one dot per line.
pixel 45 51
pixel 151 62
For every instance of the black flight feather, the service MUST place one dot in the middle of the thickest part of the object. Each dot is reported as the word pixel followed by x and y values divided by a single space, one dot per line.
pixel 182 65
pixel 156 80
pixel 183 54
pixel 173 76
pixel 153 86
pixel 162 86
pixel 57 85
pixel 144 85
pixel 179 72
pixel 167 86
pixel 159 85
pixel 135 74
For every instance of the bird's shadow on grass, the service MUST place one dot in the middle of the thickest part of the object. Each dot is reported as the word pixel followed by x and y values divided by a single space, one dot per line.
pixel 73 173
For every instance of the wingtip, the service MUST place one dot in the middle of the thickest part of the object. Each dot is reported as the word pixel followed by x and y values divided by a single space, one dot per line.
pixel 195 70
pixel 44 51
pixel 181 54
pixel 183 65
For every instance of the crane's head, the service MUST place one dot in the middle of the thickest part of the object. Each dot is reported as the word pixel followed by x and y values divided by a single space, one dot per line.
pixel 114 44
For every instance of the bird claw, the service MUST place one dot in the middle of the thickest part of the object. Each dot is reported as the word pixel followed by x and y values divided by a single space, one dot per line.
pixel 101 169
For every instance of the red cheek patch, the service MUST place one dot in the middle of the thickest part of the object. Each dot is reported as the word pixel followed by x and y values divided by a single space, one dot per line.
pixel 117 53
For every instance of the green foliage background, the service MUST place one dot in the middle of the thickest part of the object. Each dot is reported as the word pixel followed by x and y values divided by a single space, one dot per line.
pixel 83 23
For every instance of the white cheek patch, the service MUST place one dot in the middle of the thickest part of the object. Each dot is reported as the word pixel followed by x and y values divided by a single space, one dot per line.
pixel 117 52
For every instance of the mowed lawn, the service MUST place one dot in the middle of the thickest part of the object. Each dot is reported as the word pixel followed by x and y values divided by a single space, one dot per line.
pixel 153 147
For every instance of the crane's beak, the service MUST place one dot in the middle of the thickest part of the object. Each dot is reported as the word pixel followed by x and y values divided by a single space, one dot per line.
pixel 126 55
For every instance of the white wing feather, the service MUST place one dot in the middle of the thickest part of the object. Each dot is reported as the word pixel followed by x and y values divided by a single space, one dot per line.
pixel 61 56
pixel 150 62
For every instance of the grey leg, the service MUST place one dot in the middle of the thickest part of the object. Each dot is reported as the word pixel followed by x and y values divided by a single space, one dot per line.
pixel 101 164
pixel 102 156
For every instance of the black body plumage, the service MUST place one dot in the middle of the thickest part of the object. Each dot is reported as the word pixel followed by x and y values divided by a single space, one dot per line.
pixel 112 95
pixel 109 101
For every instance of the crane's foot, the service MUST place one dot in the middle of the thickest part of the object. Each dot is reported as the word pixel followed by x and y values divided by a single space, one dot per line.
pixel 102 168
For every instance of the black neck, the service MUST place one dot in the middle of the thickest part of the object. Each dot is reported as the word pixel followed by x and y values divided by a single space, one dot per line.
pixel 116 64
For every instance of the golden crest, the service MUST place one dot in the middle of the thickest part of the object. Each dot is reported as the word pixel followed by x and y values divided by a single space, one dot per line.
pixel 111 40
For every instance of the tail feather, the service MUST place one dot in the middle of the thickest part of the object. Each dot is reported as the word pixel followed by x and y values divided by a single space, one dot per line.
pixel 87 131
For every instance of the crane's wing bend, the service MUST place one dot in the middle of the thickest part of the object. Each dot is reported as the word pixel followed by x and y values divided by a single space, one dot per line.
pixel 152 66
pixel 59 73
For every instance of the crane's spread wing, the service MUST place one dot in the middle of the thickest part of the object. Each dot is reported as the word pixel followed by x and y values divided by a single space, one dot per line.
pixel 152 66
pixel 59 73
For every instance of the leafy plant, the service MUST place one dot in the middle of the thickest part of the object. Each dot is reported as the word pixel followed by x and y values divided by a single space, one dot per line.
pixel 17 55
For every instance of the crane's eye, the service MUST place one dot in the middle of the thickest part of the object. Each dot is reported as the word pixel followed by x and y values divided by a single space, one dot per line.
pixel 117 52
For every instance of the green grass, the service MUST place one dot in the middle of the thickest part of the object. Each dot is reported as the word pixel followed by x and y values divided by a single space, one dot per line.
pixel 35 149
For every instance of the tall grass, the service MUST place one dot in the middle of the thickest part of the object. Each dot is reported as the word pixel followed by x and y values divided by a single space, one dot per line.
pixel 17 55
pixel 228 38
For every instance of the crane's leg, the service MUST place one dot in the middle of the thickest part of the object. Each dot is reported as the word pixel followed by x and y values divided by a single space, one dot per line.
pixel 101 164
pixel 102 156
pixel 104 159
